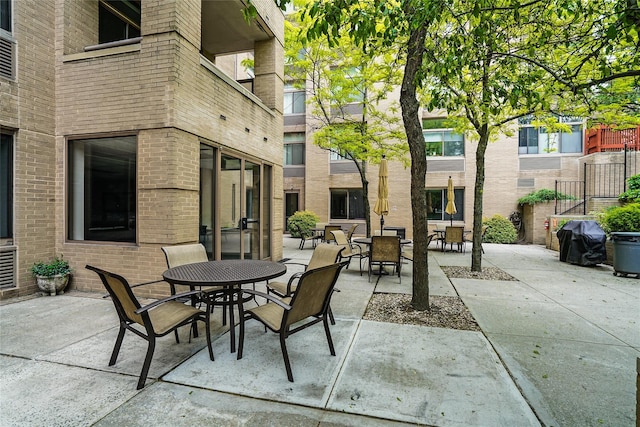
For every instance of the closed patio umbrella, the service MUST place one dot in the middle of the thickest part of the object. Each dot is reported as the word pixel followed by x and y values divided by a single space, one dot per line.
pixel 451 204
pixel 382 204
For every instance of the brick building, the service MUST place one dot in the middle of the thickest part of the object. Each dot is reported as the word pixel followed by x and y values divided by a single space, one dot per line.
pixel 131 125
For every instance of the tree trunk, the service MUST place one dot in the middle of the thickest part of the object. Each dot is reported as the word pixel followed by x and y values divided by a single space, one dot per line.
pixel 476 252
pixel 417 148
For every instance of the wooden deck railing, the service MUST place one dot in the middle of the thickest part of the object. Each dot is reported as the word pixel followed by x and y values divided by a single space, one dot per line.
pixel 601 139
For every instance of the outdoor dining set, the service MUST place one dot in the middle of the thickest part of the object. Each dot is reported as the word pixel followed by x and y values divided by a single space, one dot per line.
pixel 289 307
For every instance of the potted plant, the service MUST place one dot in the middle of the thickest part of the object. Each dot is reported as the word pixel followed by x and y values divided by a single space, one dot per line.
pixel 52 277
pixel 622 223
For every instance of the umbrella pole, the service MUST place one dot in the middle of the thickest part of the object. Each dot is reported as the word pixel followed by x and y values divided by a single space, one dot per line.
pixel 381 224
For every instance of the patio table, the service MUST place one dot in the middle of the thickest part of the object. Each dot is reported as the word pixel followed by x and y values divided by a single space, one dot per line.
pixel 230 274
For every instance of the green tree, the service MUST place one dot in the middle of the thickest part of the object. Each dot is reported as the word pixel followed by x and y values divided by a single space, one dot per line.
pixel 347 97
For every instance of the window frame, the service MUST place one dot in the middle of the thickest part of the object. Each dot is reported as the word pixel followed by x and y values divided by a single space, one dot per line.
pixel 350 194
pixel 78 188
pixel 7 32
pixel 443 216
pixel 106 6
pixel 7 161
pixel 435 126
pixel 295 94
pixel 294 140
pixel 542 145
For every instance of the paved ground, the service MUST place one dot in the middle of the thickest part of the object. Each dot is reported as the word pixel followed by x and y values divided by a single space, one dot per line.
pixel 559 347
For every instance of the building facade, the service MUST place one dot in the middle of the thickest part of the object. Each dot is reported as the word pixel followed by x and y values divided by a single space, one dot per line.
pixel 526 159
pixel 131 125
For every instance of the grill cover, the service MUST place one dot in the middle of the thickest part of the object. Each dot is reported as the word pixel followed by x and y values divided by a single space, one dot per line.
pixel 582 243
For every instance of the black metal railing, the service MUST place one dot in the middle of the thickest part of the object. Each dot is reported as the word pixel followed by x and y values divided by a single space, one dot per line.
pixel 570 198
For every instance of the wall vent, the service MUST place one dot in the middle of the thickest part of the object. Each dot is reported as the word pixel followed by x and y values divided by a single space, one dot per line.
pixel 7 266
pixel 7 48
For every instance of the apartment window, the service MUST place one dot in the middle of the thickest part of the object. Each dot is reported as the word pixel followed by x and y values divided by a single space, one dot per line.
pixel 294 148
pixel 5 15
pixel 336 156
pixel 539 140
pixel 6 185
pixel 437 202
pixel 441 140
pixel 347 204
pixel 294 99
pixel 102 189
pixel 347 84
pixel 118 20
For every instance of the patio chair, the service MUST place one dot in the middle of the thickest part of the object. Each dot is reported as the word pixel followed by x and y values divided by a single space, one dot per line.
pixel 159 318
pixel 407 253
pixel 324 254
pixel 328 236
pixel 189 254
pixel 454 234
pixel 351 231
pixel 310 302
pixel 384 252
pixel 308 236
pixel 350 250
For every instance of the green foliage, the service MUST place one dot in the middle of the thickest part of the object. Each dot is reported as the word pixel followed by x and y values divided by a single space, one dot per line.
pixel 633 192
pixel 543 195
pixel 52 268
pixel 499 230
pixel 620 218
pixel 305 220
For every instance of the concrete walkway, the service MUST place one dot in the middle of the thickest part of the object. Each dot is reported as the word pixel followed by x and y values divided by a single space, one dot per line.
pixel 559 347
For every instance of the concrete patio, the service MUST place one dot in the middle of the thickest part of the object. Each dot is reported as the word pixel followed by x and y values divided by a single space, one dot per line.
pixel 558 347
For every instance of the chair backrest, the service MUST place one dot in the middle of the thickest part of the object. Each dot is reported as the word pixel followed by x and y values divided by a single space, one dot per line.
pixel 324 254
pixel 385 249
pixel 341 240
pixel 385 233
pixel 313 293
pixel 351 231
pixel 121 294
pixel 453 234
pixel 328 237
pixel 184 254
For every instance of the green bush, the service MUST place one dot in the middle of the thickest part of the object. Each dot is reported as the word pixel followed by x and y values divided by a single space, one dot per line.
pixel 499 230
pixel 620 218
pixel 305 220
pixel 633 193
pixel 51 268
pixel 541 196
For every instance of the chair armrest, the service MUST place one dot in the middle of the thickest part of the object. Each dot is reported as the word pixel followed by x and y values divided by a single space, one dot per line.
pixel 167 299
pixel 146 283
pixel 268 297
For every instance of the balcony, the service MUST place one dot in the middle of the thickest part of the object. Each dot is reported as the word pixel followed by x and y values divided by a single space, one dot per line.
pixel 603 139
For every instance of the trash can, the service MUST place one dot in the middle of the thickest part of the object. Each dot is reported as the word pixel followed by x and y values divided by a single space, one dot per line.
pixel 582 243
pixel 626 253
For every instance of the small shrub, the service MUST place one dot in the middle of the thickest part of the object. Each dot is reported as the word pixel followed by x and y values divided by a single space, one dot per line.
pixel 633 193
pixel 51 268
pixel 305 220
pixel 499 230
pixel 543 195
pixel 620 218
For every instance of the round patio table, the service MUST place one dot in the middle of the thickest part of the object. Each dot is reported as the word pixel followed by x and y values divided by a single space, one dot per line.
pixel 229 274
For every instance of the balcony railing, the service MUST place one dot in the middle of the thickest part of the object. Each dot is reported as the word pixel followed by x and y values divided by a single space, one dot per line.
pixel 602 139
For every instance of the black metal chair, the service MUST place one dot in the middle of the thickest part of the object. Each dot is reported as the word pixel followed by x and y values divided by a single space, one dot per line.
pixel 158 318
pixel 310 302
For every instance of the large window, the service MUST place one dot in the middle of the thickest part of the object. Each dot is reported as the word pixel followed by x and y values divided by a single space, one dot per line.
pixel 437 202
pixel 347 204
pixel 118 20
pixel 6 185
pixel 440 140
pixel 102 189
pixel 5 15
pixel 294 99
pixel 294 148
pixel 539 140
